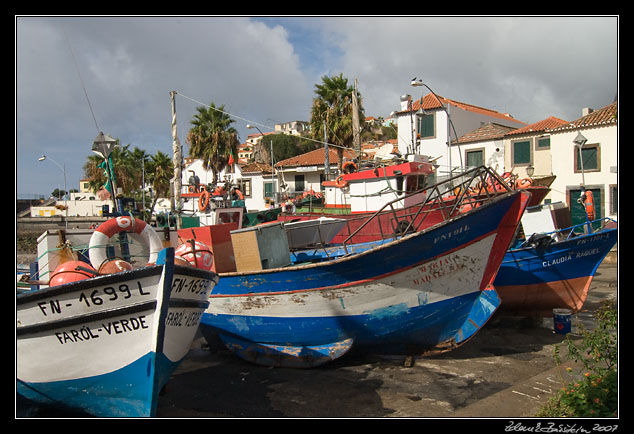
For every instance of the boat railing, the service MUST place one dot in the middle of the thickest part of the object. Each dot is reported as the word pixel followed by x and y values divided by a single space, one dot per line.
pixel 438 203
pixel 569 232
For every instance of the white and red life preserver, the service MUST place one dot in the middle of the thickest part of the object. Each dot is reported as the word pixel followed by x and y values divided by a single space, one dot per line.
pixel 105 231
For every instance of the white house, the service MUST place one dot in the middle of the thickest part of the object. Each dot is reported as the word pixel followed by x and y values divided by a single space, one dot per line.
pixel 530 147
pixel 424 127
pixel 484 146
pixel 600 161
pixel 253 179
pixel 306 172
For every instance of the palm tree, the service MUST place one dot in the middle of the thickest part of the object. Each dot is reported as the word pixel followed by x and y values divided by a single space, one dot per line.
pixel 212 139
pixel 159 173
pixel 333 106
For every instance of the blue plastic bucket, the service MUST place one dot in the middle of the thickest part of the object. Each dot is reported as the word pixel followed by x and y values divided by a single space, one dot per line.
pixel 561 319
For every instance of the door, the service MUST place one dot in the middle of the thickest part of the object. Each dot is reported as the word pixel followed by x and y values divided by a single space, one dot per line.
pixel 577 211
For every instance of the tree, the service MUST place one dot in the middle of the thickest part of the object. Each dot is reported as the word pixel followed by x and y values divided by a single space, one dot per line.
pixel 333 106
pixel 212 139
pixel 287 146
pixel 159 173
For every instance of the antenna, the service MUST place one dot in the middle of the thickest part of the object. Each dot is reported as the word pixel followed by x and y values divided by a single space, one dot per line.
pixel 80 79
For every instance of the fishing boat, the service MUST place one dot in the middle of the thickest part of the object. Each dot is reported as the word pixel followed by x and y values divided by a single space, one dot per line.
pixel 552 269
pixel 424 292
pixel 105 345
pixel 549 266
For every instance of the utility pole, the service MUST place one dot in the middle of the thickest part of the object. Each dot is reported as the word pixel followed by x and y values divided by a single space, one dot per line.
pixel 326 155
pixel 177 160
pixel 356 139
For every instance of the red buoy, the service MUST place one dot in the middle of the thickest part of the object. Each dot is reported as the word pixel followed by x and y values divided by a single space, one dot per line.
pixel 72 271
pixel 196 253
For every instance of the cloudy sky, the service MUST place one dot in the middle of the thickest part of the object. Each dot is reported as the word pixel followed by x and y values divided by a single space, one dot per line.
pixel 264 71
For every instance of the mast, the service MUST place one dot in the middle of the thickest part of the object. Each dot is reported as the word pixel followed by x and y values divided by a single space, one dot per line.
pixel 177 159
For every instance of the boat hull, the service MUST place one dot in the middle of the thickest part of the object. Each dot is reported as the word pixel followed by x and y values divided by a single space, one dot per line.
pixel 534 281
pixel 412 295
pixel 106 346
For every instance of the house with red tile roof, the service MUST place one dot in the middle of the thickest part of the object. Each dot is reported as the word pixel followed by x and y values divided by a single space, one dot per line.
pixel 424 127
pixel 600 161
pixel 307 171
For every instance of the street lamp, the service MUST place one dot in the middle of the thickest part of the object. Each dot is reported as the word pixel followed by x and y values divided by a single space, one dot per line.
pixel 63 169
pixel 579 141
pixel 417 83
pixel 103 145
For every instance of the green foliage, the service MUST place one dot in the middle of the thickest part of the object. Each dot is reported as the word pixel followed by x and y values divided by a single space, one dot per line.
pixel 596 393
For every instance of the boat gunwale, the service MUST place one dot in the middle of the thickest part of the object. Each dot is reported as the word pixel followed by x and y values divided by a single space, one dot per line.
pixel 383 246
pixel 106 279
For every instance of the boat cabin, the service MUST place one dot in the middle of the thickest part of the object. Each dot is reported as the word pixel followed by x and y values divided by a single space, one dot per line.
pixel 370 189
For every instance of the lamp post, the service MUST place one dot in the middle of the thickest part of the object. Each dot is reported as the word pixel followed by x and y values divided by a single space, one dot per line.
pixel 249 126
pixel 579 141
pixel 63 169
pixel 417 83
pixel 103 145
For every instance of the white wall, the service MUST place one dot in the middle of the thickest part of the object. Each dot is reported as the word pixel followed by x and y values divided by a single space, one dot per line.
pixel 562 150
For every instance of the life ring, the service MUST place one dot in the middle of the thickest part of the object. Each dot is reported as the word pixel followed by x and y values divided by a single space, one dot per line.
pixel 191 189
pixel 340 182
pixel 105 231
pixel 588 203
pixel 524 183
pixel 203 200
pixel 349 167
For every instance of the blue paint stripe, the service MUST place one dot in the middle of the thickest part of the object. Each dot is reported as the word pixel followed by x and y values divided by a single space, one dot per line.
pixel 424 325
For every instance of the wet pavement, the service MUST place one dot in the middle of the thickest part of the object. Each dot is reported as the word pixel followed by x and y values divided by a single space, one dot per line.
pixel 507 370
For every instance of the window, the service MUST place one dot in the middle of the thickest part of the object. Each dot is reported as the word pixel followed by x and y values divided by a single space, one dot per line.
pixel 245 186
pixel 426 126
pixel 269 189
pixel 591 157
pixel 522 152
pixel 299 182
pixel 543 143
pixel 475 157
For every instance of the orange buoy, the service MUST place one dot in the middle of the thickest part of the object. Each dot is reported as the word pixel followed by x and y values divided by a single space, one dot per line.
pixel 588 203
pixel 114 265
pixel 197 254
pixel 71 271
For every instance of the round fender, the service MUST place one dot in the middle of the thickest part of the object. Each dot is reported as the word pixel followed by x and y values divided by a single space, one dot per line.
pixel 105 231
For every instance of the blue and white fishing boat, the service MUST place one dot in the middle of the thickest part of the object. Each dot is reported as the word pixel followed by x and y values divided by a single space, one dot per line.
pixel 106 345
pixel 553 270
pixel 425 292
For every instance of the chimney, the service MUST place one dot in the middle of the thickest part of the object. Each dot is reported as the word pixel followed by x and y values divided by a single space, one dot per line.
pixel 405 100
pixel 586 111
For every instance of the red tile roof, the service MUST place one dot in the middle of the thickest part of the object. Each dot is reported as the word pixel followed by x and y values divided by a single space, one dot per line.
pixel 255 168
pixel 314 158
pixel 488 131
pixel 430 102
pixel 602 117
pixel 546 124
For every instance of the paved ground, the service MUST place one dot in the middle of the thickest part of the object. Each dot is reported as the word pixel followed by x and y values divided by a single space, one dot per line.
pixel 506 371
